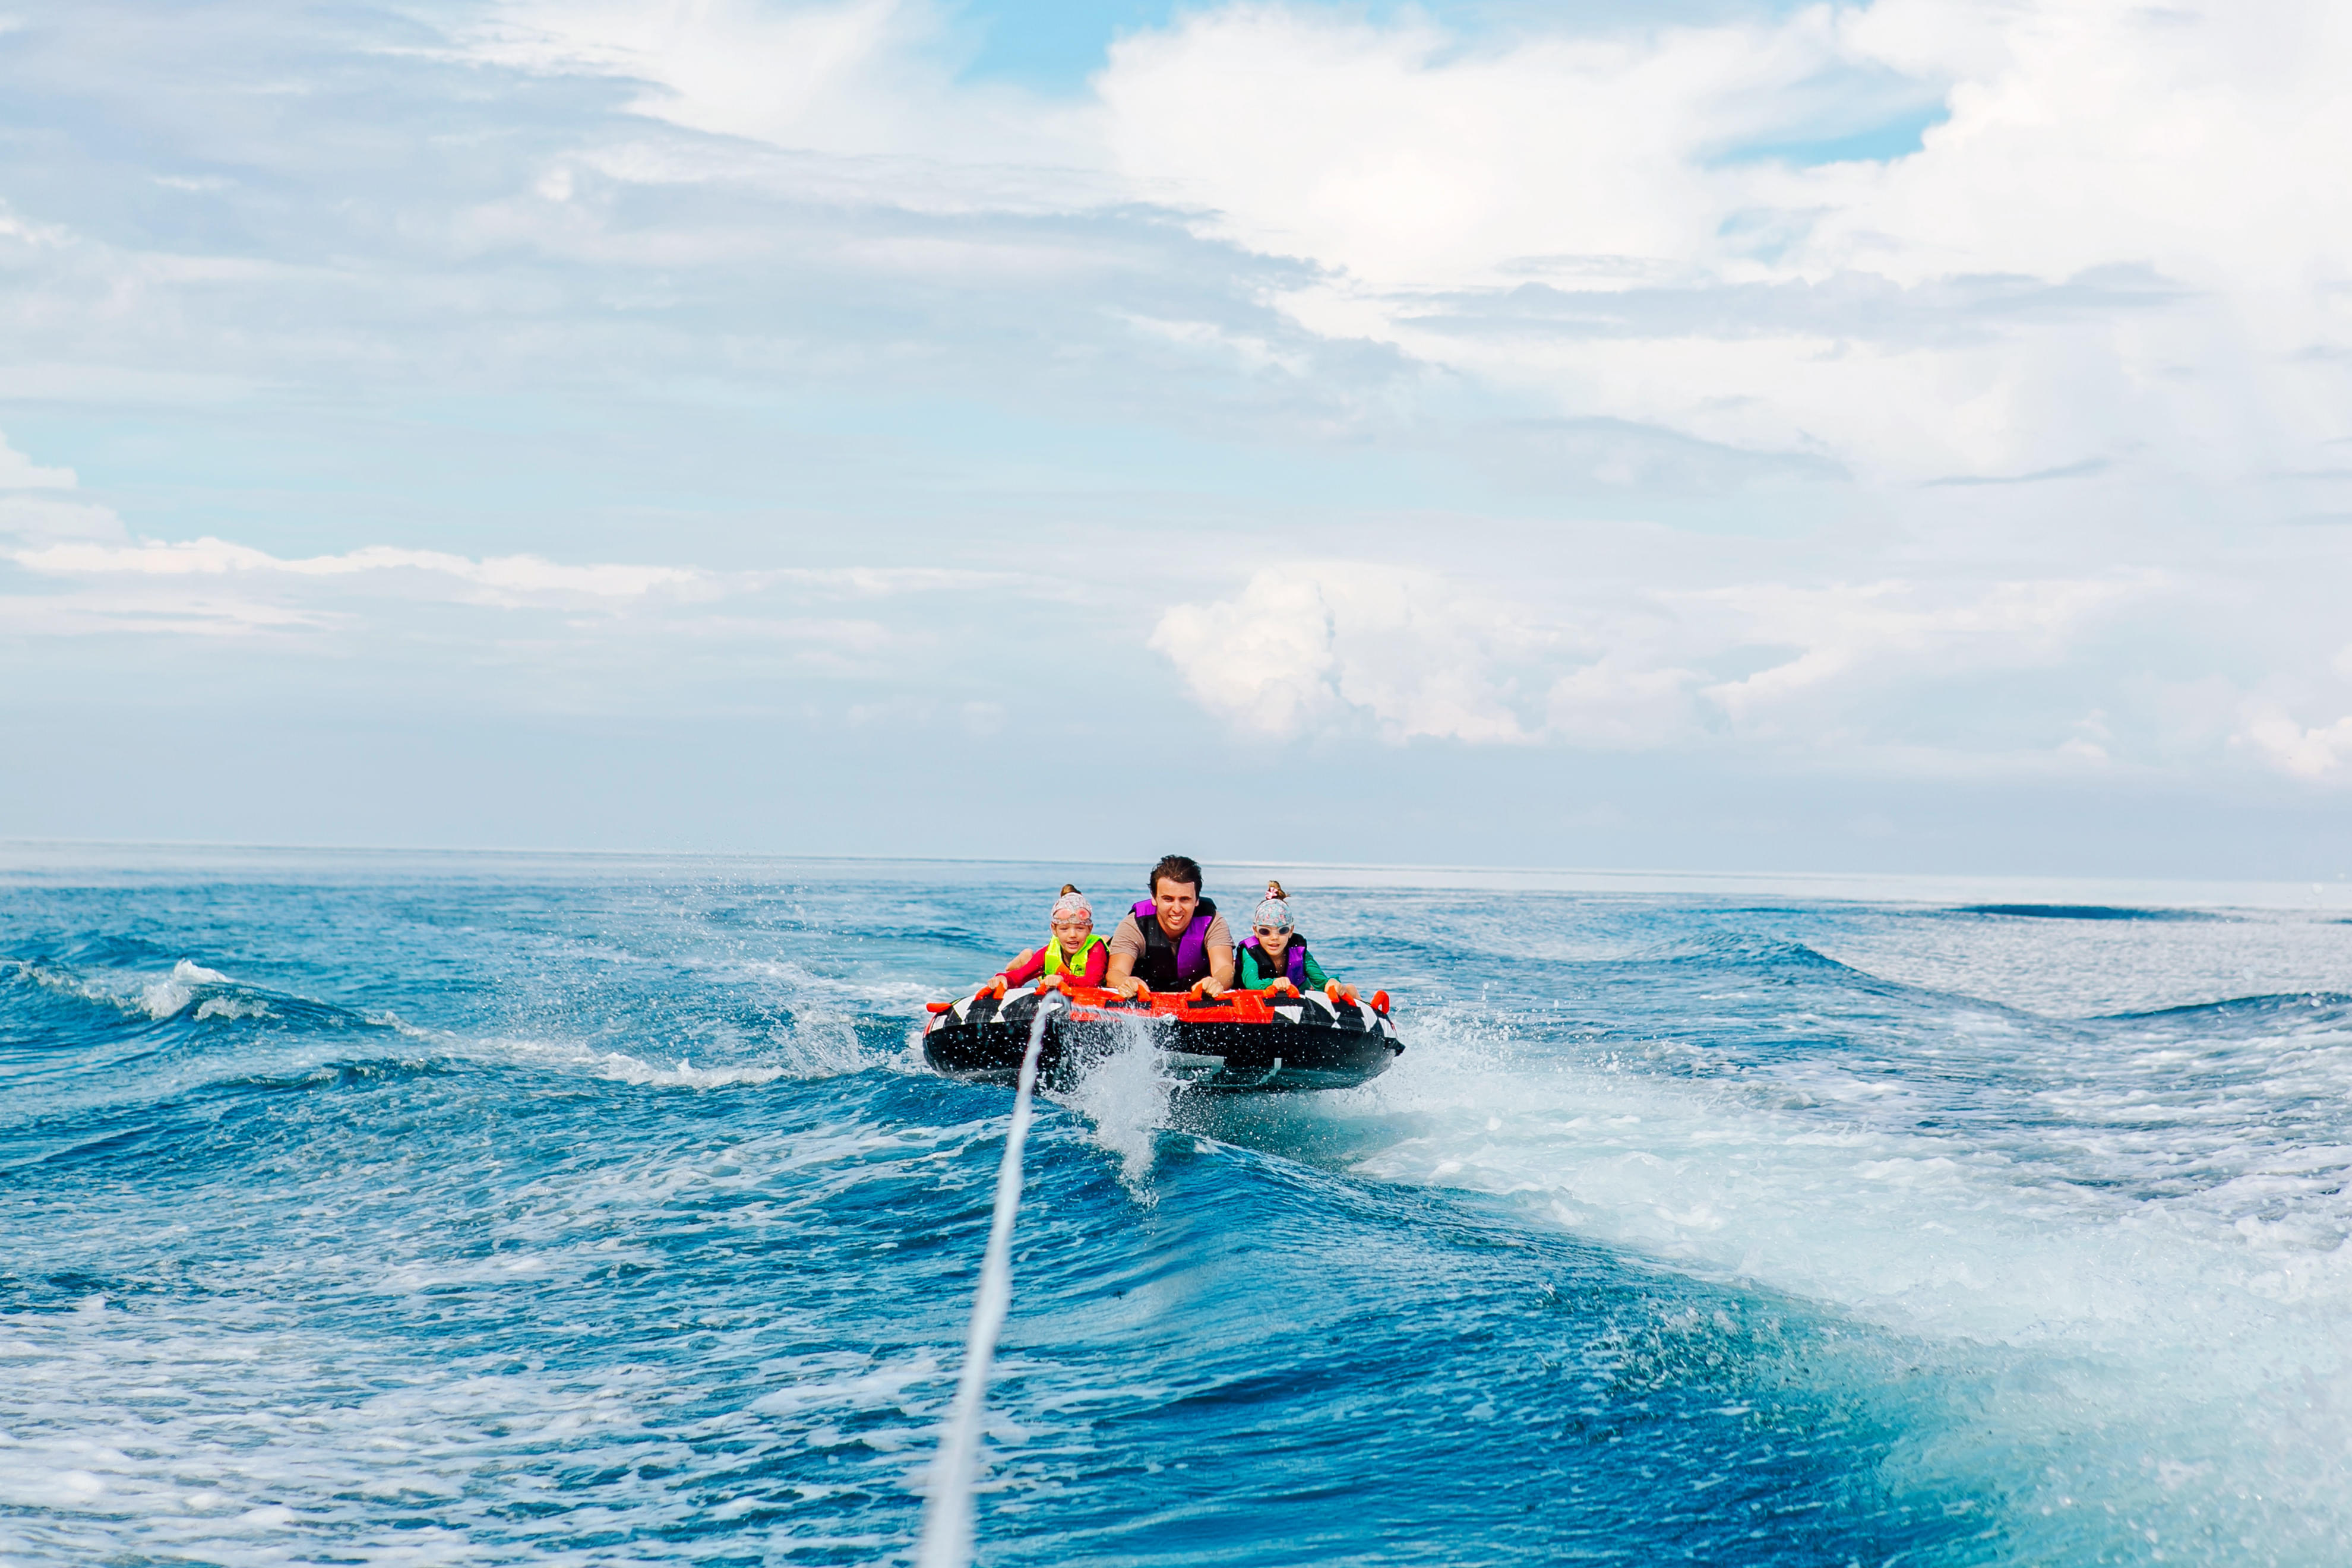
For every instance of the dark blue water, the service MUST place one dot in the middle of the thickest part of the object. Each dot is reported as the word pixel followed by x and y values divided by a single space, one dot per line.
pixel 380 1211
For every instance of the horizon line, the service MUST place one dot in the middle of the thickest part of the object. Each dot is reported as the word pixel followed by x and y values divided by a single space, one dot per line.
pixel 8 844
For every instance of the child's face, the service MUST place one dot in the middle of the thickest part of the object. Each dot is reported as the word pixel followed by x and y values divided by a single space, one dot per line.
pixel 1273 940
pixel 1072 930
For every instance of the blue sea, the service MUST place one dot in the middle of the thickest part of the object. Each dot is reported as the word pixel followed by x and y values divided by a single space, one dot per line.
pixel 450 1210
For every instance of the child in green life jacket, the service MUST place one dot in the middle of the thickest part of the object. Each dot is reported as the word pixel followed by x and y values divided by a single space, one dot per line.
pixel 1274 953
pixel 1074 953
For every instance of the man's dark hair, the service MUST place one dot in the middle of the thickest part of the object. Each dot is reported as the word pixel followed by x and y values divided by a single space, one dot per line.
pixel 1175 868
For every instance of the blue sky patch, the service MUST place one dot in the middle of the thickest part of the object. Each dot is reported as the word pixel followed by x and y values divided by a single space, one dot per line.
pixel 1899 136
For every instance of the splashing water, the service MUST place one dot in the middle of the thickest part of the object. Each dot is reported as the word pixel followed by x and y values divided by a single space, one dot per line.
pixel 947 1523
pixel 1125 1096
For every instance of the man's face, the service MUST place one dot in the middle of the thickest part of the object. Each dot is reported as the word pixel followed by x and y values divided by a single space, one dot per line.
pixel 1177 900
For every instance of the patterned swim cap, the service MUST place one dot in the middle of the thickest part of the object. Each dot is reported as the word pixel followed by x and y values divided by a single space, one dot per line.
pixel 1070 906
pixel 1273 912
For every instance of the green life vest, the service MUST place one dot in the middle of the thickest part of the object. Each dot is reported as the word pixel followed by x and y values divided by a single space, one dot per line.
pixel 1059 962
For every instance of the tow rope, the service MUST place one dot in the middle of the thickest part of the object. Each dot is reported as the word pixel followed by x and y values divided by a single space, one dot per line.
pixel 946 1516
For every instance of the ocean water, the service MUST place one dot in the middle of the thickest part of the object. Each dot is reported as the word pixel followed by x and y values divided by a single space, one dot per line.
pixel 382 1209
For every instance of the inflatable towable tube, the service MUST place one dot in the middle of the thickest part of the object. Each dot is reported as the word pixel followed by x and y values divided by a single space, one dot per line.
pixel 1244 1040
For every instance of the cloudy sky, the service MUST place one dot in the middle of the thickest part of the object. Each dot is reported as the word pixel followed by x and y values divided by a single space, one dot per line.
pixel 1906 435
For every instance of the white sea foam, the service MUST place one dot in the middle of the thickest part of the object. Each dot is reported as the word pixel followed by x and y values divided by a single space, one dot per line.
pixel 2198 1328
pixel 162 998
pixel 235 1431
pixel 125 1427
pixel 154 996
pixel 881 995
pixel 621 1068
pixel 817 1051
pixel 1930 1234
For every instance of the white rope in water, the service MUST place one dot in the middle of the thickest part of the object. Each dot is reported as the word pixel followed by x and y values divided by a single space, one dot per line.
pixel 946 1519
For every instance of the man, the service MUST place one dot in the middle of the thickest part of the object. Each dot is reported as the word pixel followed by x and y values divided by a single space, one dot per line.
pixel 1173 940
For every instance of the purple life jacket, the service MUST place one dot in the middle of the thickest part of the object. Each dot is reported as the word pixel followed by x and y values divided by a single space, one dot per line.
pixel 1294 959
pixel 1173 965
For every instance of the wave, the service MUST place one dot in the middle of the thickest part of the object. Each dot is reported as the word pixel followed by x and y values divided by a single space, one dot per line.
pixel 2085 912
pixel 187 989
pixel 2312 1007
pixel 1772 957
pixel 833 1025
pixel 642 1069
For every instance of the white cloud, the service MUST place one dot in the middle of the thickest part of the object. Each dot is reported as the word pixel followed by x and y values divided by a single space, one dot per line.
pixel 38 518
pixel 2322 754
pixel 1569 218
pixel 1410 159
pixel 18 473
pixel 855 76
pixel 212 588
pixel 1305 647
pixel 213 585
pixel 88 613
pixel 881 582
pixel 503 579
pixel 1609 705
pixel 1885 632
pixel 2119 247
pixel 1596 666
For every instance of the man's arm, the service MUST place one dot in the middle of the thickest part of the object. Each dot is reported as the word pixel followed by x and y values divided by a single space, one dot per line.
pixel 1220 945
pixel 1126 947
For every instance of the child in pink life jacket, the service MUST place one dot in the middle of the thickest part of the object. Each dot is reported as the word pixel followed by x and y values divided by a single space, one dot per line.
pixel 1074 954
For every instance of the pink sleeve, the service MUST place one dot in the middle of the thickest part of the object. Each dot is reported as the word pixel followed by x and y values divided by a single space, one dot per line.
pixel 1097 966
pixel 1025 968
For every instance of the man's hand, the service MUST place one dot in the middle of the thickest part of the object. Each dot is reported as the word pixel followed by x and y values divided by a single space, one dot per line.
pixel 1120 974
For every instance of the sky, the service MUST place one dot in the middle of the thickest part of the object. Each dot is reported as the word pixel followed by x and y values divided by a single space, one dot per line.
pixel 1909 437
